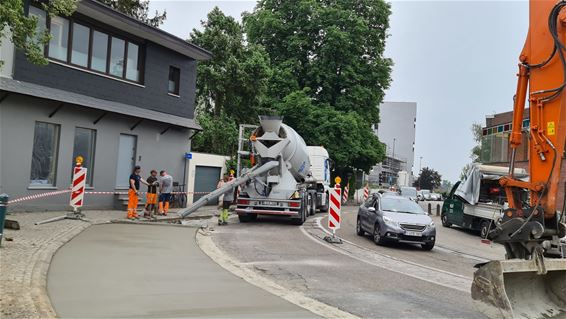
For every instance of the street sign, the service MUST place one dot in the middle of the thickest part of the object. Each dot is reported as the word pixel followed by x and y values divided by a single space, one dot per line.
pixel 188 156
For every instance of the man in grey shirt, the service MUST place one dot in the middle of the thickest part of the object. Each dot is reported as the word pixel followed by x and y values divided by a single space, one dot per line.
pixel 165 189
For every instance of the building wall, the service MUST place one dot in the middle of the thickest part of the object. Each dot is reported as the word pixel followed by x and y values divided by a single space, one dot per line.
pixel 152 94
pixel 6 54
pixel 398 121
pixel 202 159
pixel 18 115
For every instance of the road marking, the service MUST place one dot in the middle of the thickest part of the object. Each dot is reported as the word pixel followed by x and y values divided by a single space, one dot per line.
pixel 401 266
pixel 207 245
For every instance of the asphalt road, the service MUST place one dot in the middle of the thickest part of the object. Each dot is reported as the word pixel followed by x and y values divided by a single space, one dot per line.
pixel 359 277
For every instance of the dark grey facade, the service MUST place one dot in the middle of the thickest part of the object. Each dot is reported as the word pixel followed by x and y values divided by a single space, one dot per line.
pixel 50 114
pixel 152 94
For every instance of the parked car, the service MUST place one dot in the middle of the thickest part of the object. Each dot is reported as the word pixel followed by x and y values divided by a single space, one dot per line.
pixel 395 219
pixel 409 192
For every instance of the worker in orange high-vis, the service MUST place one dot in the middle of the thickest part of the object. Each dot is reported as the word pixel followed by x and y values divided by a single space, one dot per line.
pixel 133 192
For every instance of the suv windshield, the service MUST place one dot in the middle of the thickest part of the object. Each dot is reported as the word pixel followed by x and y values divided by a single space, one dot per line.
pixel 401 205
pixel 409 191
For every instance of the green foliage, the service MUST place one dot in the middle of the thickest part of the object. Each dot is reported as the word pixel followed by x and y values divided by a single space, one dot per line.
pixel 334 47
pixel 428 179
pixel 22 29
pixel 138 9
pixel 477 132
pixel 219 135
pixel 346 135
pixel 235 80
pixel 328 71
pixel 465 170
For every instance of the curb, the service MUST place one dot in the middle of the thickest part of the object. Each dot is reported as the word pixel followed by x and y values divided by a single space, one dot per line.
pixel 207 245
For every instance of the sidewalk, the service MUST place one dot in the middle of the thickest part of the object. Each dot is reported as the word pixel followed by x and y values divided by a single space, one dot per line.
pixel 24 262
pixel 147 271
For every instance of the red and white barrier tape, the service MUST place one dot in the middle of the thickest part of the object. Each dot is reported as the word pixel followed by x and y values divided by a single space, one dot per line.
pixel 65 191
pixel 36 196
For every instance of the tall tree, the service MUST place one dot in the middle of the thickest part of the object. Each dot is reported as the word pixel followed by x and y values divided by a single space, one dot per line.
pixel 428 179
pixel 23 30
pixel 235 80
pixel 138 9
pixel 477 132
pixel 219 135
pixel 333 47
pixel 327 55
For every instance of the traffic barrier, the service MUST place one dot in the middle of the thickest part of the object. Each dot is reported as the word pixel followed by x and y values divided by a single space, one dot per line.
pixel 366 193
pixel 345 197
pixel 335 209
pixel 78 188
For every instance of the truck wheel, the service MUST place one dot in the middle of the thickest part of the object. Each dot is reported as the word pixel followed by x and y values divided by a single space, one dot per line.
pixel 302 213
pixel 445 222
pixel 324 208
pixel 484 229
pixel 311 205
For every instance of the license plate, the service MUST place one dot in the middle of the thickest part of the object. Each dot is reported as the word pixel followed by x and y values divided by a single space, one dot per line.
pixel 270 203
pixel 414 233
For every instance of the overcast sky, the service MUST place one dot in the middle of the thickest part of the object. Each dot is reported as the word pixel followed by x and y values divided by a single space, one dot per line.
pixel 456 59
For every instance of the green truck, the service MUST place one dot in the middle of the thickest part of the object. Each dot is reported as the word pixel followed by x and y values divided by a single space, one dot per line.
pixel 477 203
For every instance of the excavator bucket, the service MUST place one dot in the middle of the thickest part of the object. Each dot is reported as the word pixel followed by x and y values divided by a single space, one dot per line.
pixel 521 289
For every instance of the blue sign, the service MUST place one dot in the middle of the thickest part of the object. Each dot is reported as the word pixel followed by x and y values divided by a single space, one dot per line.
pixel 188 156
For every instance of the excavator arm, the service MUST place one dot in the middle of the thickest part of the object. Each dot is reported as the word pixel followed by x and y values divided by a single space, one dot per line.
pixel 531 283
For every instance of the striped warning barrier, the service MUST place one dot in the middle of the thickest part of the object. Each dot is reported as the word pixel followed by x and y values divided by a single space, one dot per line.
pixel 78 188
pixel 345 197
pixel 334 210
pixel 366 193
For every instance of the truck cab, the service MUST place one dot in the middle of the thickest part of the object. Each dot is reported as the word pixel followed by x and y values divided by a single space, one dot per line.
pixel 320 172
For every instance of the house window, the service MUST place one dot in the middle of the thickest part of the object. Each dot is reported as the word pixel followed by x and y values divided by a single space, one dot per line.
pixel 99 51
pixel 80 43
pixel 85 144
pixel 89 48
pixel 41 23
pixel 58 45
pixel 132 63
pixel 44 154
pixel 117 51
pixel 174 77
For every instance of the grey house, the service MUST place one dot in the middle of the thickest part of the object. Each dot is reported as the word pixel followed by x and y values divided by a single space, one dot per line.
pixel 116 91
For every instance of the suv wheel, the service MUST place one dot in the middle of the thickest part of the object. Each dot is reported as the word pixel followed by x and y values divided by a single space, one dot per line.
pixel 377 239
pixel 359 230
pixel 427 246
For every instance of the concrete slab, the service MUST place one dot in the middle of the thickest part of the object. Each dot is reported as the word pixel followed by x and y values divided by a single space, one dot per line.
pixel 144 271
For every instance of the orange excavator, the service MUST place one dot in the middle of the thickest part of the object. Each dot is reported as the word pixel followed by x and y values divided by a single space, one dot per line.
pixel 531 282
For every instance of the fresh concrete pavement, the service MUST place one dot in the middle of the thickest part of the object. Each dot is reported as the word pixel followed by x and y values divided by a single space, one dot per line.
pixel 152 271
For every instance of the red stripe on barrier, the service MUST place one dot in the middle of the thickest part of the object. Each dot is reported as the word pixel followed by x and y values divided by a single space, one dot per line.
pixel 335 215
pixel 331 224
pixel 335 201
pixel 79 180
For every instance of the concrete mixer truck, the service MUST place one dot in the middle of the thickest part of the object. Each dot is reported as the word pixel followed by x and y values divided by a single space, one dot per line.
pixel 282 182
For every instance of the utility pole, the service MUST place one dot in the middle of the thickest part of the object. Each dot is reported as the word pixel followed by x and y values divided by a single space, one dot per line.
pixel 420 170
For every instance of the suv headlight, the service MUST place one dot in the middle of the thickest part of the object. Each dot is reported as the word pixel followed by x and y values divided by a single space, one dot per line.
pixel 431 225
pixel 389 221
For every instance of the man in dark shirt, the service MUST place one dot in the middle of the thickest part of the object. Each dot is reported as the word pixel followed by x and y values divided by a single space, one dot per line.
pixel 151 197
pixel 133 192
